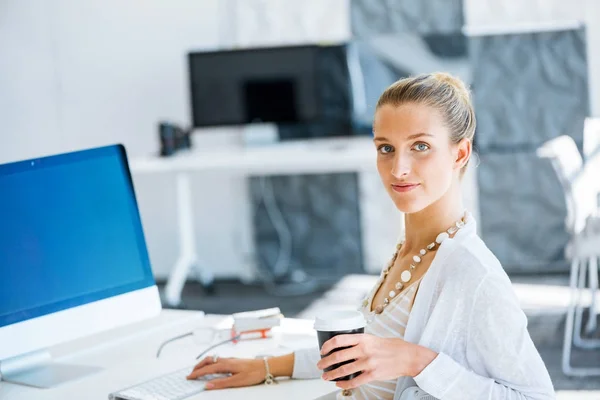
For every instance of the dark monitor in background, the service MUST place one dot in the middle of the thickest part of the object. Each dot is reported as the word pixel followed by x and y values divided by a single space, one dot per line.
pixel 304 89
pixel 237 87
pixel 270 100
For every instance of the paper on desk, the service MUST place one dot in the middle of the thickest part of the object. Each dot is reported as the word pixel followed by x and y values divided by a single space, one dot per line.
pixel 293 334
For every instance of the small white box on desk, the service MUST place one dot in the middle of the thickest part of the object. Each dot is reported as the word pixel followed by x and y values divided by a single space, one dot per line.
pixel 260 321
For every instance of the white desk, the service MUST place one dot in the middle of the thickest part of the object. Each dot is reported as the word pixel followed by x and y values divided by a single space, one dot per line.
pixel 128 356
pixel 354 154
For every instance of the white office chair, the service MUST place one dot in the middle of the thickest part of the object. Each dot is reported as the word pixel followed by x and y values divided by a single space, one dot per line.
pixel 581 189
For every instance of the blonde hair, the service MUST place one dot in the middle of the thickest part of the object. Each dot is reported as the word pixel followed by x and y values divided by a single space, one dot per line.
pixel 439 90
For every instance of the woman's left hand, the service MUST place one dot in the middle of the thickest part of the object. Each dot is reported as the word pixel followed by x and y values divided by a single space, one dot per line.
pixel 377 358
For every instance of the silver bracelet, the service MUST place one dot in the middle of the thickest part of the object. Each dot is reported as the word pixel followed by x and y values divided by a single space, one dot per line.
pixel 269 378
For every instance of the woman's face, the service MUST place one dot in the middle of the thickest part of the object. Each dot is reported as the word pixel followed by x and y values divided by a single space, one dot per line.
pixel 416 160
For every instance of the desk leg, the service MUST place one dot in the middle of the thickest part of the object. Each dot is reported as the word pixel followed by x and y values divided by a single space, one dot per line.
pixel 188 258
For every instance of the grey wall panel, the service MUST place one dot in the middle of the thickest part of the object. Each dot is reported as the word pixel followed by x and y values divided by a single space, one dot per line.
pixel 370 18
pixel 529 88
pixel 522 212
pixel 322 215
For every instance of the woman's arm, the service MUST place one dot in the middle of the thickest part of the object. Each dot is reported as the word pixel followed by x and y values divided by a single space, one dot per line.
pixel 282 365
pixel 248 372
pixel 499 347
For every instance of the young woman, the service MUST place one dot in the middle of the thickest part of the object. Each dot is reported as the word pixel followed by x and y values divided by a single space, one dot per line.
pixel 443 315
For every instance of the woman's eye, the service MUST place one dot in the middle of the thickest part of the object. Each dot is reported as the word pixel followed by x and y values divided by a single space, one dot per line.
pixel 421 147
pixel 386 148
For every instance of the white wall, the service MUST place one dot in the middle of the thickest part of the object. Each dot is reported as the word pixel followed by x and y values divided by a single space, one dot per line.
pixel 515 13
pixel 29 91
pixel 77 74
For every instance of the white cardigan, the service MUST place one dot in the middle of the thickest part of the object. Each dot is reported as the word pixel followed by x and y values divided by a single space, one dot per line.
pixel 466 310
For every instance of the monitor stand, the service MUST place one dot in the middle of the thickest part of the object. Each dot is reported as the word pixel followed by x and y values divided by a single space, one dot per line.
pixel 38 370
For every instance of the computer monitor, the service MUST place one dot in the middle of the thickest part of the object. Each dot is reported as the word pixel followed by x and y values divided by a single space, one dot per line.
pixel 73 259
pixel 303 89
pixel 235 87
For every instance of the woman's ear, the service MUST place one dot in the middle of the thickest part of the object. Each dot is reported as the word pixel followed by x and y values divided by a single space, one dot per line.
pixel 463 153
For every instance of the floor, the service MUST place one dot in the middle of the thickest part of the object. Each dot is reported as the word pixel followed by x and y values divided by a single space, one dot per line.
pixel 544 299
pixel 232 296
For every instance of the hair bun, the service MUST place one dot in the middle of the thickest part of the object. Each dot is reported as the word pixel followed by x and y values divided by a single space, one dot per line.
pixel 456 83
pixel 446 78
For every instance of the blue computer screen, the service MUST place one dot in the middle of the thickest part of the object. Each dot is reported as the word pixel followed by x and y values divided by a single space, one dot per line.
pixel 70 233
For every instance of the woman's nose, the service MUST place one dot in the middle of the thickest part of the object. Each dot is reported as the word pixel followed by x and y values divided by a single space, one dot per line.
pixel 401 167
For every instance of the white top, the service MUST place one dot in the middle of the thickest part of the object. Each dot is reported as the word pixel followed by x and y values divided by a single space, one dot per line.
pixel 391 323
pixel 466 311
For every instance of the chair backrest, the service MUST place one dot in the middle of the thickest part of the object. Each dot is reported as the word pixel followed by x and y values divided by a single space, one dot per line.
pixel 579 186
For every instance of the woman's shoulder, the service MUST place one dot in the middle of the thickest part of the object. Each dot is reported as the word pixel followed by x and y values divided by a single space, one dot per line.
pixel 472 276
pixel 470 261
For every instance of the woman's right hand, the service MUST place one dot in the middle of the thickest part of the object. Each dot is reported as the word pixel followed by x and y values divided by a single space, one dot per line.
pixel 244 372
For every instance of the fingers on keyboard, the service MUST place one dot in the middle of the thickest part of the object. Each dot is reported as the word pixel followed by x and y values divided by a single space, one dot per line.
pixel 208 370
pixel 204 362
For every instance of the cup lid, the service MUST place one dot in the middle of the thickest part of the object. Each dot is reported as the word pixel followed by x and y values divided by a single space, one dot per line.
pixel 339 320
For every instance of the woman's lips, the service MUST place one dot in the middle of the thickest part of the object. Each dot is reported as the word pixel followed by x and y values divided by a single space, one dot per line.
pixel 405 187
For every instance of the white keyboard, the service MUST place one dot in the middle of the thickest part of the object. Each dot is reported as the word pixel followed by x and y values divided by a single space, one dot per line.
pixel 173 386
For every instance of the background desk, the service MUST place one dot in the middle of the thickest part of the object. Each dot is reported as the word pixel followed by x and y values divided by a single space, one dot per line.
pixel 356 154
pixel 128 356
